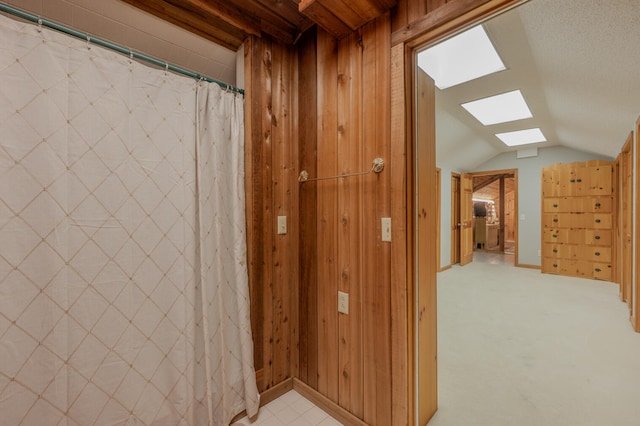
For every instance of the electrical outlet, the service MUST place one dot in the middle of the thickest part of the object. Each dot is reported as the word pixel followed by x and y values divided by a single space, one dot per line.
pixel 386 229
pixel 282 225
pixel 343 302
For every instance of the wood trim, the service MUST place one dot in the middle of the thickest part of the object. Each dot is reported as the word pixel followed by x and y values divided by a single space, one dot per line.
pixel 516 221
pixel 455 219
pixel 448 19
pixel 445 268
pixel 402 367
pixel 269 395
pixel 333 409
pixel 635 316
pixel 439 217
pixel 524 265
pixel 276 391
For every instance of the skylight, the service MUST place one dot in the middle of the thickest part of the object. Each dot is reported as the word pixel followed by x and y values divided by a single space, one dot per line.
pixel 522 137
pixel 502 108
pixel 462 58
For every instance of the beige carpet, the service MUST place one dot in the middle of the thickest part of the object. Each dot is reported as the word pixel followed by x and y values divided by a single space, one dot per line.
pixel 519 348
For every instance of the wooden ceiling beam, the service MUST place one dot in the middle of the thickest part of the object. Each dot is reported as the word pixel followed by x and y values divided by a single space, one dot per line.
pixel 208 27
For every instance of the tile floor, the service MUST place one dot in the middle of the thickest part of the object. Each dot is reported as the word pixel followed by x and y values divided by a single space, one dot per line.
pixel 290 409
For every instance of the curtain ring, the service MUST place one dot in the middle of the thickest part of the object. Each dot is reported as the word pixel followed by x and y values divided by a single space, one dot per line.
pixel 88 42
pixel 39 25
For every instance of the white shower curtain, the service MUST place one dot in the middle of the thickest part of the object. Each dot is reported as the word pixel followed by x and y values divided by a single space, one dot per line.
pixel 123 282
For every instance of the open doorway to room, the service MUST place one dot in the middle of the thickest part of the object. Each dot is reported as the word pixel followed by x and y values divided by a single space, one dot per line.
pixel 492 218
pixel 495 216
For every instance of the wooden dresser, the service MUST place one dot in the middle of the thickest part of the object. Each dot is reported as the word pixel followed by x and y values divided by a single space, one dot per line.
pixel 577 219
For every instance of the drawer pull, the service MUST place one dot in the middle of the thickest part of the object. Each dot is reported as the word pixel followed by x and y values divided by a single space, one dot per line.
pixel 597 237
pixel 598 270
pixel 597 253
pixel 579 180
pixel 597 220
pixel 555 219
pixel 555 250
pixel 572 180
pixel 555 265
pixel 597 204
pixel 555 205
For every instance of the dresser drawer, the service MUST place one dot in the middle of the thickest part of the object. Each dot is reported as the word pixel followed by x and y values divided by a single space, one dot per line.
pixel 577 268
pixel 577 204
pixel 577 252
pixel 601 237
pixel 601 271
pixel 577 220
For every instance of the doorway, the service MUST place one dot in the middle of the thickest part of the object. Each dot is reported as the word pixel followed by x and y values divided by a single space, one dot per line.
pixel 493 217
pixel 495 213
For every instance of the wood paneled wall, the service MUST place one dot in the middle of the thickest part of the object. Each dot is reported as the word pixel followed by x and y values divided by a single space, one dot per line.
pixel 271 151
pixel 330 108
pixel 347 358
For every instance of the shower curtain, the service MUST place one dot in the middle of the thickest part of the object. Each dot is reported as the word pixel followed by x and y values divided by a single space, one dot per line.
pixel 123 283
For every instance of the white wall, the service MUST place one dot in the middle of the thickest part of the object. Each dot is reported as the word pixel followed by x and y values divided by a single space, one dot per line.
pixel 123 24
pixel 530 192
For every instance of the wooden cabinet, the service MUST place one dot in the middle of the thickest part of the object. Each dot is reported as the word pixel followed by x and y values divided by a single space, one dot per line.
pixel 577 219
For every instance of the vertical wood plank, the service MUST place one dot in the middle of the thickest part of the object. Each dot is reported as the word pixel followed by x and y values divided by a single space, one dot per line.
pixel 308 336
pixel 377 278
pixel 254 208
pixel 328 275
pixel 402 366
pixel 382 200
pixel 350 195
pixel 293 190
pixel 426 279
pixel 266 167
pixel 358 223
pixel 635 294
pixel 281 296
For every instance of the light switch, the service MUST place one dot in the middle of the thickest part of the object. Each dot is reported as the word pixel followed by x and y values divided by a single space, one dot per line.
pixel 343 302
pixel 386 229
pixel 282 225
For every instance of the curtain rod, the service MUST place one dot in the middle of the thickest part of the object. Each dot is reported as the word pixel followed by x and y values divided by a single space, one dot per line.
pixel 104 43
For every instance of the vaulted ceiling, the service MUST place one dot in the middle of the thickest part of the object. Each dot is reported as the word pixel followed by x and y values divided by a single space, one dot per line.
pixel 576 62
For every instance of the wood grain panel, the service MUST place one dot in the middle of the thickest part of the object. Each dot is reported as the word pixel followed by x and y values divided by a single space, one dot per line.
pixel 350 218
pixel 635 315
pixel 626 228
pixel 426 250
pixel 271 150
pixel 328 275
pixel 308 244
pixel 415 25
pixel 402 348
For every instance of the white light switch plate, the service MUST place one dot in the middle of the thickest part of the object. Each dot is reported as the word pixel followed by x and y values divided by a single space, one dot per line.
pixel 282 225
pixel 386 229
pixel 343 302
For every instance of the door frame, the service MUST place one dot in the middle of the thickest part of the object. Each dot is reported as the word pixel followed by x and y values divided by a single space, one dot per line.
pixel 455 218
pixel 513 172
pixel 405 43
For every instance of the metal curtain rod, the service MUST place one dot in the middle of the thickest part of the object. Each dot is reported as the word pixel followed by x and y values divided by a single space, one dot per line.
pixel 377 166
pixel 124 50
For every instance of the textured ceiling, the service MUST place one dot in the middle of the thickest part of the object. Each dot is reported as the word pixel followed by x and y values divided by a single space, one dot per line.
pixel 576 62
